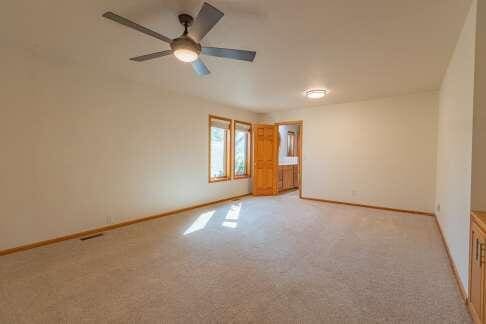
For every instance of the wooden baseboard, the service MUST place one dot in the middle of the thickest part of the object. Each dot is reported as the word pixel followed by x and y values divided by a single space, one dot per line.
pixel 371 206
pixel 113 226
pixel 474 316
pixel 287 190
pixel 462 290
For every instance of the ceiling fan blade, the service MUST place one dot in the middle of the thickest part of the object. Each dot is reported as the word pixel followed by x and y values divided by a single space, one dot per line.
pixel 124 21
pixel 200 68
pixel 207 17
pixel 151 56
pixel 229 53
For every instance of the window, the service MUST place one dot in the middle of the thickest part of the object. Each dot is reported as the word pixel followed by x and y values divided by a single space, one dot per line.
pixel 291 144
pixel 242 150
pixel 219 148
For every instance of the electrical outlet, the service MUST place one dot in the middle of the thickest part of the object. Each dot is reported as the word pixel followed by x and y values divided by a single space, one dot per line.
pixel 108 219
pixel 438 208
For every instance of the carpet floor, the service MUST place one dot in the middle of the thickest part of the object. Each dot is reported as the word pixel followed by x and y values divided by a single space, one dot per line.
pixel 255 260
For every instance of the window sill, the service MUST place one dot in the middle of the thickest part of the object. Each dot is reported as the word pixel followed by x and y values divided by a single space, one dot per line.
pixel 212 180
pixel 246 176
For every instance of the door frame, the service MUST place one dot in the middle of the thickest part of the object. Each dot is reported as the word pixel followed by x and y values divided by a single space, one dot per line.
pixel 300 123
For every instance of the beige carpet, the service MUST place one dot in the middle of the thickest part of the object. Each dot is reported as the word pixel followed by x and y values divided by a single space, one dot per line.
pixel 258 260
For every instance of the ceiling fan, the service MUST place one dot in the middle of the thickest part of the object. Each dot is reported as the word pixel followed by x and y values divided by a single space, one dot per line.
pixel 187 47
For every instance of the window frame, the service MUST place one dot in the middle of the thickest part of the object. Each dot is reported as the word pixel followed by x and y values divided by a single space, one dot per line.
pixel 249 153
pixel 228 149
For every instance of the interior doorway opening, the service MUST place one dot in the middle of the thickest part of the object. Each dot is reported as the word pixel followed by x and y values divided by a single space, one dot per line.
pixel 289 162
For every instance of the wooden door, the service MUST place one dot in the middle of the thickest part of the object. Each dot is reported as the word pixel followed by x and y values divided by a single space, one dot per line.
pixel 478 239
pixel 265 159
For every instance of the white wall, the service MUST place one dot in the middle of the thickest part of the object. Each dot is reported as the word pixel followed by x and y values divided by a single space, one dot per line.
pixel 81 149
pixel 378 152
pixel 283 130
pixel 453 189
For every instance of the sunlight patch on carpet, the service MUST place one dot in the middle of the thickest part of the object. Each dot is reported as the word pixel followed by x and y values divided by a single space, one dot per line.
pixel 200 223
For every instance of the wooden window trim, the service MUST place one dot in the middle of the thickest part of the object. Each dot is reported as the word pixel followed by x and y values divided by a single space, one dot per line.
pixel 228 150
pixel 249 152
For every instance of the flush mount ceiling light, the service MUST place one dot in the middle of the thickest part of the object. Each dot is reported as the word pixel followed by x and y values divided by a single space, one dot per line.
pixel 316 93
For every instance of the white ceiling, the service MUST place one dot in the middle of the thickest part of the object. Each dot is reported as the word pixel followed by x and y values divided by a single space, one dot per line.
pixel 358 49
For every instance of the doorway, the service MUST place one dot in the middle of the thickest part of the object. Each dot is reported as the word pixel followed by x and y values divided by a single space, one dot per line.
pixel 289 162
pixel 277 159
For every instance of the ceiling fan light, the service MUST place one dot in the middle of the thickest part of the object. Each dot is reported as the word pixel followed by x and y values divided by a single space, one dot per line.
pixel 316 93
pixel 186 55
pixel 185 49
